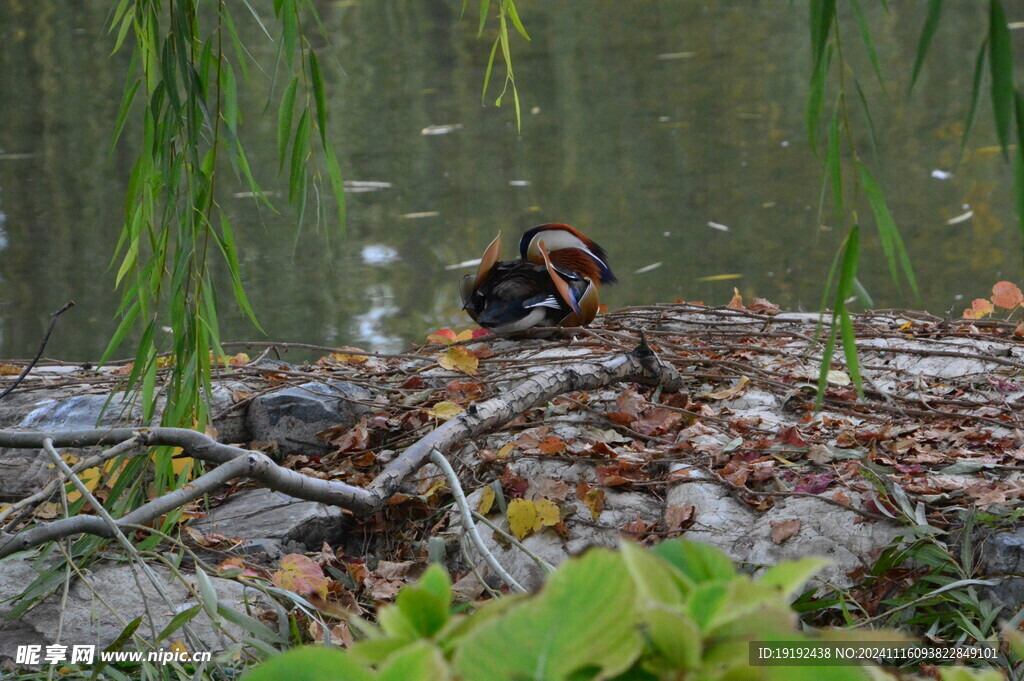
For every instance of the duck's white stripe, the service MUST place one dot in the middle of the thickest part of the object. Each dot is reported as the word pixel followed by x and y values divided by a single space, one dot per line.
pixel 535 318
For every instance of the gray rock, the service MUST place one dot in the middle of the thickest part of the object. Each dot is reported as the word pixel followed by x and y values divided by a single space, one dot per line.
pixel 292 417
pixel 1002 553
pixel 273 523
pixel 94 613
pixel 744 535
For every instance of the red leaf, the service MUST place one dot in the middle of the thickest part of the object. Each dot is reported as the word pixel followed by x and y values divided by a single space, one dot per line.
pixel 1007 295
pixel 815 484
pixel 791 436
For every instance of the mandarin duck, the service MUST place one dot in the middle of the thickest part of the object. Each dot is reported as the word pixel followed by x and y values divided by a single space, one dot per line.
pixel 554 283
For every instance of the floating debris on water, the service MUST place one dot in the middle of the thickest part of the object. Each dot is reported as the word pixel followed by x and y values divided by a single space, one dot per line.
pixel 361 186
pixel 647 268
pixel 963 217
pixel 379 254
pixel 941 174
pixel 519 183
pixel 720 277
pixel 417 216
pixel 441 129
pixel 676 55
pixel 720 227
pixel 465 263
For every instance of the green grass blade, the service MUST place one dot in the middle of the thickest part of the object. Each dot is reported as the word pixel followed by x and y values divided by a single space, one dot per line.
pixel 510 8
pixel 490 67
pixel 816 99
pixel 1001 63
pixel 334 173
pixel 285 113
pixel 318 95
pixel 1018 166
pixel 300 148
pixel 869 43
pixel 485 6
pixel 931 22
pixel 822 14
pixel 979 73
pixel 833 167
pixel 850 350
pixel 847 275
pixel 892 243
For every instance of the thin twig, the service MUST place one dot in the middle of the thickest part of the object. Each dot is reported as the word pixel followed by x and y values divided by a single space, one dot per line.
pixel 42 346
pixel 467 522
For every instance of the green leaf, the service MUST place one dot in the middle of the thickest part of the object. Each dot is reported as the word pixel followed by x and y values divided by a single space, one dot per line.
pixel 822 14
pixel 334 173
pixel 178 621
pixel 419 661
pixel 284 120
pixel 674 636
pixel 1001 63
pixel 931 22
pixel 789 576
pixel 698 562
pixel 122 114
pixel 567 628
pixel 230 90
pixel 1018 166
pixel 485 6
pixel 510 8
pixel 816 99
pixel 426 604
pixel 490 67
pixel 892 243
pixel 300 149
pixel 979 71
pixel 655 580
pixel 708 604
pixel 250 624
pixel 309 663
pixel 318 95
pixel 869 43
pixel 833 167
pixel 850 348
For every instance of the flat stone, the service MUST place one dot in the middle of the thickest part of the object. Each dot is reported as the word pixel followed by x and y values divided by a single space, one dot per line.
pixel 1002 553
pixel 273 523
pixel 292 417
pixel 122 593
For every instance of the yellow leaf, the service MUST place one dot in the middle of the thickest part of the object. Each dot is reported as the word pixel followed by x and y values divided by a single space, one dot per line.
pixel 179 647
pixel 547 514
pixel 522 515
pixel 483 507
pixel 836 377
pixel 504 451
pixel 445 410
pixel 908 325
pixel 458 358
pixel 301 575
pixel 465 336
pixel 731 392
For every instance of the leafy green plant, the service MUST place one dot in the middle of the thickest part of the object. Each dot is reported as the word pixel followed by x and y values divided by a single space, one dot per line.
pixel 680 610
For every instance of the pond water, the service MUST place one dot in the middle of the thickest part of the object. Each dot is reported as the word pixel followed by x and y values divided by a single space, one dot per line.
pixel 672 132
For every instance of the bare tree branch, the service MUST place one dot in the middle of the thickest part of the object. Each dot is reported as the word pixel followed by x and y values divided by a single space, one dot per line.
pixel 639 365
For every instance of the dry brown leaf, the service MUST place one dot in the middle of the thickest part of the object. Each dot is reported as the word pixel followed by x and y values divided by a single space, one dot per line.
pixel 728 393
pixel 783 530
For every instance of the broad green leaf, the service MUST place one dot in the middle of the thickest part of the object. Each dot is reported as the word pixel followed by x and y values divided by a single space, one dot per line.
pixel 584 618
pixel 708 604
pixel 789 576
pixel 309 663
pixel 419 661
pixel 1001 63
pixel 931 22
pixel 655 580
pixel 674 636
pixel 697 562
pixel 426 604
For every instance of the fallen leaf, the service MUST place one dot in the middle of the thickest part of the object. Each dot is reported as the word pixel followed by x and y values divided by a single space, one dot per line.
pixel 676 516
pixel 548 514
pixel 504 451
pixel 736 303
pixel 445 410
pixel 730 392
pixel 790 435
pixel 483 506
pixel 1006 295
pixel 444 336
pixel 459 358
pixel 552 445
pixel 979 308
pixel 784 529
pixel 522 515
pixel 10 370
pixel 762 306
pixel 301 575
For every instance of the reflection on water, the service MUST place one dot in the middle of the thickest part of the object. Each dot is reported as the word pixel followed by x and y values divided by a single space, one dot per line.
pixel 672 132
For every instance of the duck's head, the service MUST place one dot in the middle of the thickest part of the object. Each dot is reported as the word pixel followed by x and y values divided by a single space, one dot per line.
pixel 569 249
